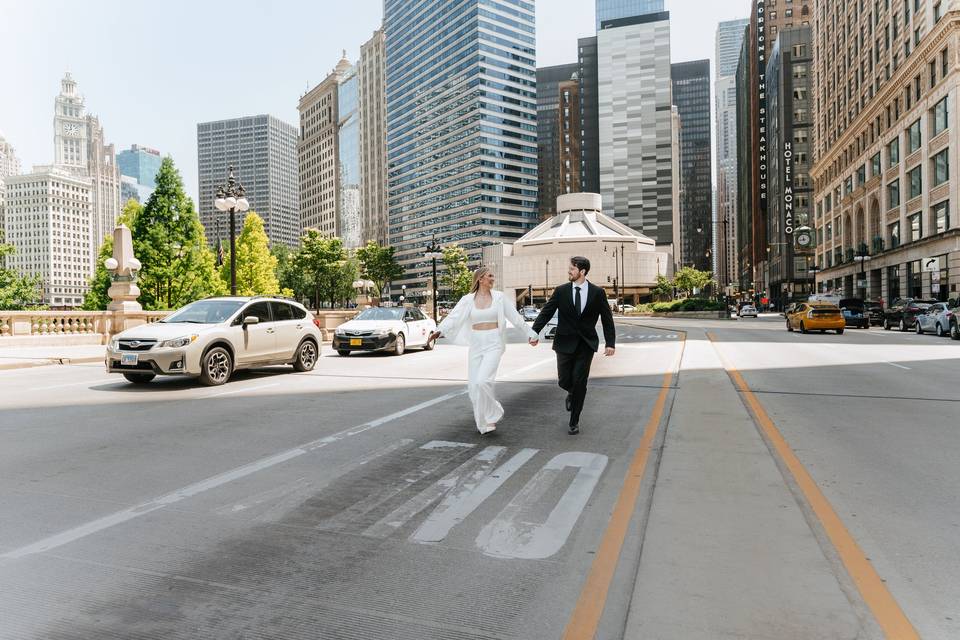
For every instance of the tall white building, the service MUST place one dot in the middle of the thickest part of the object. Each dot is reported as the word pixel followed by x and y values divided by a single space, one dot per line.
pixel 9 166
pixel 371 72
pixel 80 148
pixel 728 42
pixel 48 217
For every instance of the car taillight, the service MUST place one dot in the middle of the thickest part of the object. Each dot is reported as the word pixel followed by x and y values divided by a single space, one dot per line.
pixel 316 323
pixel 810 314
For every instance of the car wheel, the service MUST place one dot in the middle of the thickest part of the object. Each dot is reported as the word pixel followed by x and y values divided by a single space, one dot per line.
pixel 400 346
pixel 343 352
pixel 803 328
pixel 789 327
pixel 306 356
pixel 139 378
pixel 839 332
pixel 216 367
pixel 429 346
pixel 918 328
pixel 886 324
pixel 954 331
pixel 902 326
pixel 940 331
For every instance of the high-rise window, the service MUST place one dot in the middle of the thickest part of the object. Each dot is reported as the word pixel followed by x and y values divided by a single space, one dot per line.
pixel 941 216
pixel 893 152
pixel 893 194
pixel 875 165
pixel 915 180
pixel 913 137
pixel 940 116
pixel 941 167
pixel 916 229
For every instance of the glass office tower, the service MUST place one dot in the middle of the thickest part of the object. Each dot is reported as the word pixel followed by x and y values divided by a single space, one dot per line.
pixel 461 127
pixel 616 9
pixel 351 223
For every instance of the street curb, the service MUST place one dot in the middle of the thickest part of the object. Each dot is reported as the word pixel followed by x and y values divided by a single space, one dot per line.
pixel 44 362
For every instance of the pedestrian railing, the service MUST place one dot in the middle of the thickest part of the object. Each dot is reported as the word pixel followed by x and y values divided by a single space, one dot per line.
pixel 69 323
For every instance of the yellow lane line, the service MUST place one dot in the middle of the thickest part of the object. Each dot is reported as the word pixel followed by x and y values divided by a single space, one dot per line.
pixel 887 612
pixel 593 596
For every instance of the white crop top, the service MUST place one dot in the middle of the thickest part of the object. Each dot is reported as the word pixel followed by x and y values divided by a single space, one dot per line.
pixel 484 315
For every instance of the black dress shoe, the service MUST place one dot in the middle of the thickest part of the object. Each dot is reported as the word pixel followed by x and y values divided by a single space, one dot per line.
pixel 574 429
pixel 569 401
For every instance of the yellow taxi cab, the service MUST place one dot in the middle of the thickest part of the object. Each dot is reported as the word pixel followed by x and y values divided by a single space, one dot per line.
pixel 814 316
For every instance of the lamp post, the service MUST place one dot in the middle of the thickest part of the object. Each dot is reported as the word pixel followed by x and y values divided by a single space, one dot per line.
pixel 862 256
pixel 546 281
pixel 434 252
pixel 232 197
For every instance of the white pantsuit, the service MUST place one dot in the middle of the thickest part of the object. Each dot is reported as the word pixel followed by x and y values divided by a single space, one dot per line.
pixel 486 349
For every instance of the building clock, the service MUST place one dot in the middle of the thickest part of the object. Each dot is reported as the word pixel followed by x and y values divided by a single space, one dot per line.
pixel 71 129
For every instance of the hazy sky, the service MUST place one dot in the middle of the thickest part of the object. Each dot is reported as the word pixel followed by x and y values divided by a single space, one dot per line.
pixel 151 71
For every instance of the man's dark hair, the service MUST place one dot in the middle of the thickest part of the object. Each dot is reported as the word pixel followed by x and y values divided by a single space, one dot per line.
pixel 581 263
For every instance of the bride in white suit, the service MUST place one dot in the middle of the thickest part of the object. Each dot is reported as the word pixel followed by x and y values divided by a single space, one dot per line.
pixel 480 321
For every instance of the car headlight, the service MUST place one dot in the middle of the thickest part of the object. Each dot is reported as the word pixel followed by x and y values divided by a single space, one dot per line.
pixel 379 333
pixel 115 344
pixel 176 343
pixel 339 332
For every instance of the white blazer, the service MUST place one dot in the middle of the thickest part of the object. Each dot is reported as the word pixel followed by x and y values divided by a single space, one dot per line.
pixel 457 327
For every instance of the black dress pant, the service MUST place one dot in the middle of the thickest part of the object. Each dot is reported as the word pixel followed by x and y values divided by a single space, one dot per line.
pixel 573 369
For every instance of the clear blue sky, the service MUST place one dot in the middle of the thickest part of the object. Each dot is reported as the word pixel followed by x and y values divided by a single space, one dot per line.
pixel 151 71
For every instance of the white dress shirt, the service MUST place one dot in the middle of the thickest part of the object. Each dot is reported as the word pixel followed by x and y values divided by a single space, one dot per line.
pixel 583 294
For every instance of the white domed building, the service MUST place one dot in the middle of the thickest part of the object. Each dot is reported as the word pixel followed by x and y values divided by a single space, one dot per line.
pixel 623 261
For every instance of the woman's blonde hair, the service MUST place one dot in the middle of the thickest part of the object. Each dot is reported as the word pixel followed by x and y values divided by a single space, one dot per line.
pixel 477 276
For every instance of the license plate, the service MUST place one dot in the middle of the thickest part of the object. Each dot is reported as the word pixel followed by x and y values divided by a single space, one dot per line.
pixel 129 358
pixel 356 342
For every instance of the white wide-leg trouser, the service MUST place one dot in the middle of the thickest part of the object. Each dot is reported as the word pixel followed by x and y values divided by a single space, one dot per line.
pixel 484 359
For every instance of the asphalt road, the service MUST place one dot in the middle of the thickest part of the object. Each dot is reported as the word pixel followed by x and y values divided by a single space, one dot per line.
pixel 358 501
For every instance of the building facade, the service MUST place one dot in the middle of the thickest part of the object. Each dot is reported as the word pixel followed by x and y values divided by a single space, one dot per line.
pixel 141 164
pixel 350 222
pixel 461 126
pixel 552 138
pixel 885 171
pixel 691 95
pixel 263 151
pixel 789 237
pixel 48 220
pixel 318 155
pixel 634 123
pixel 616 9
pixel 729 40
pixel 9 166
pixel 589 115
pixel 80 148
pixel 373 138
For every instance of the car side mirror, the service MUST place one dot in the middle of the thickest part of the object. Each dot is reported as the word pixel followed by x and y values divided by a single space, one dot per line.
pixel 250 320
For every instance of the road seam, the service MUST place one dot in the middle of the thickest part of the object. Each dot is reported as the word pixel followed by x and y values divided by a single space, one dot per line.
pixel 886 611
pixel 588 611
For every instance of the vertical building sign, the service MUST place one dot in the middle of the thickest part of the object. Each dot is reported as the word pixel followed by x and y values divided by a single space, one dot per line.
pixel 762 105
pixel 786 114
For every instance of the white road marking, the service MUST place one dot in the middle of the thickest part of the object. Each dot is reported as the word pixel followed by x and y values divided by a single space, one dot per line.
pixel 515 532
pixel 899 366
pixel 244 390
pixel 94 526
pixel 443 444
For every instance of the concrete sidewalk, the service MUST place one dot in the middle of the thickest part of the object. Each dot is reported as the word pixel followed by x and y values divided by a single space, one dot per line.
pixel 727 551
pixel 38 356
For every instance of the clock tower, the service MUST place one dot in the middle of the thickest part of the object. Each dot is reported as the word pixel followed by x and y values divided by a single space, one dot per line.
pixel 70 131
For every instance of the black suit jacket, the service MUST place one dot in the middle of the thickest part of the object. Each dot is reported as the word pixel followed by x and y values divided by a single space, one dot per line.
pixel 573 327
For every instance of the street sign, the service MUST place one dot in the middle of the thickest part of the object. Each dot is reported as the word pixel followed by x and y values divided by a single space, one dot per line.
pixel 935 287
pixel 935 276
pixel 931 264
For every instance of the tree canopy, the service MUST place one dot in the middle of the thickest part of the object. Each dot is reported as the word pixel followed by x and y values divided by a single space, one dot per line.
pixel 457 277
pixel 256 265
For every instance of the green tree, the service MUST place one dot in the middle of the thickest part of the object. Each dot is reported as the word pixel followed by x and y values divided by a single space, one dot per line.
pixel 97 297
pixel 663 288
pixel 378 264
pixel 17 292
pixel 168 239
pixel 687 279
pixel 291 277
pixel 324 262
pixel 457 277
pixel 256 266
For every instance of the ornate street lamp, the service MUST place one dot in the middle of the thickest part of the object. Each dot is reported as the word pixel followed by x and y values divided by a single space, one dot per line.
pixel 434 252
pixel 862 256
pixel 232 197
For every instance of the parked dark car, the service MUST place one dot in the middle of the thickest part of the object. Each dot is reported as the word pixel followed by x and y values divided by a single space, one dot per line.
pixel 854 313
pixel 874 311
pixel 903 312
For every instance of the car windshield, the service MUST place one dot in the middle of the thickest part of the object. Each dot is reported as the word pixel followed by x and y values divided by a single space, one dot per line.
pixel 205 312
pixel 381 313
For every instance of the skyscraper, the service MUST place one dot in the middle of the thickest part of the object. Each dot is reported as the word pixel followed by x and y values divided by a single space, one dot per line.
pixel 80 148
pixel 350 222
pixel 616 9
pixel 634 123
pixel 373 139
pixel 9 166
pixel 263 151
pixel 461 125
pixel 728 42
pixel 554 108
pixel 141 164
pixel 691 95
pixel 589 115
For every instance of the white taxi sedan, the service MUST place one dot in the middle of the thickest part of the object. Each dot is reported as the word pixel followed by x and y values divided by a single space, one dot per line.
pixel 390 329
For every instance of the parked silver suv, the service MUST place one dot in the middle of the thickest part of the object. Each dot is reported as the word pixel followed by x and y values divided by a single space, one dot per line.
pixel 212 338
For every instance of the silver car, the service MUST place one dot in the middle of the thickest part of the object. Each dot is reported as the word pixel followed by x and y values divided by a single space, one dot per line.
pixel 210 339
pixel 936 319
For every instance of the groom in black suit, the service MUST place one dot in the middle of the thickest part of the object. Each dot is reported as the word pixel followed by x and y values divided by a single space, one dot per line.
pixel 579 304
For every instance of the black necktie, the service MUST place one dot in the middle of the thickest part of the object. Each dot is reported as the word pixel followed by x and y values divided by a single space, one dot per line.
pixel 577 299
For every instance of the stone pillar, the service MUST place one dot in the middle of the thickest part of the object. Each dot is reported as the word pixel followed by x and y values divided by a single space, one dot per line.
pixel 124 266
